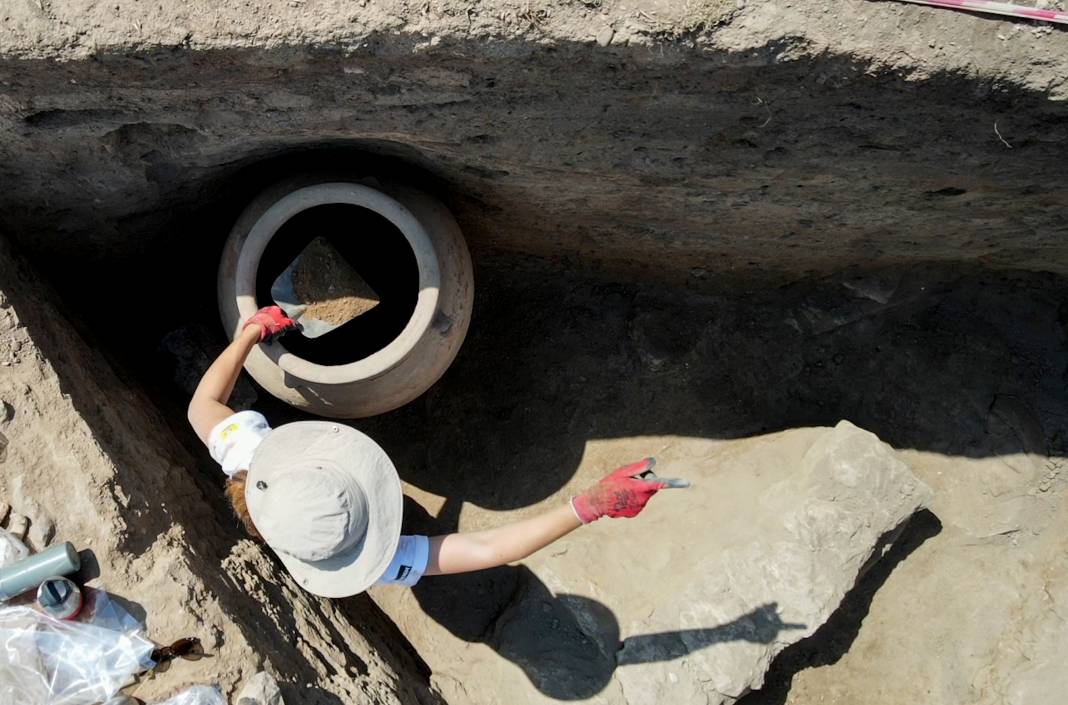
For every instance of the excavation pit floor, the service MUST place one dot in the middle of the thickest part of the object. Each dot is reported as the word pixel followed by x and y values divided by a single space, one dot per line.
pixel 566 375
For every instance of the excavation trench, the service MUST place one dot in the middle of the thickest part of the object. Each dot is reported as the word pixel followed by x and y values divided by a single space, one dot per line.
pixel 676 247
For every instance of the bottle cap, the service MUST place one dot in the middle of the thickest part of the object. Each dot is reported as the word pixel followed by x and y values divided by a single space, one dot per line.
pixel 60 598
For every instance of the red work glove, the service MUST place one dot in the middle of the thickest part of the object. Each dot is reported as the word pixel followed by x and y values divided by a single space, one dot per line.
pixel 272 321
pixel 618 494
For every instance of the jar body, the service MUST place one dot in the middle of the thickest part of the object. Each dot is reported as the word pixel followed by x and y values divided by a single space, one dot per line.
pixel 405 366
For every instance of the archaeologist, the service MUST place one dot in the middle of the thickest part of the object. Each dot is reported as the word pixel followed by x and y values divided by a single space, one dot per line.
pixel 327 499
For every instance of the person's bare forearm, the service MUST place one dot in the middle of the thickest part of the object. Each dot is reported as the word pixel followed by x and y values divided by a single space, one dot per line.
pixel 460 553
pixel 623 493
pixel 208 405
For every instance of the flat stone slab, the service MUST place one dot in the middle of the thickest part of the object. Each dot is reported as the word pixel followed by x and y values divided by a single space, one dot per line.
pixel 691 601
pixel 771 571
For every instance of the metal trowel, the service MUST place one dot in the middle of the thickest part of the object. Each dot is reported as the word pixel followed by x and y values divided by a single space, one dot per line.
pixel 648 475
pixel 321 291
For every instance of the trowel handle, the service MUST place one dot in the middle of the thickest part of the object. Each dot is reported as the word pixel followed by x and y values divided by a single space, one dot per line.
pixel 668 482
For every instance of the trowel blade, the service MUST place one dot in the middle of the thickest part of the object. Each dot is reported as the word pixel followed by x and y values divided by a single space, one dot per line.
pixel 283 295
pixel 322 258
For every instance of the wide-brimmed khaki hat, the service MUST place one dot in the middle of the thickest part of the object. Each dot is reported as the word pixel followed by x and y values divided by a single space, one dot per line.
pixel 327 499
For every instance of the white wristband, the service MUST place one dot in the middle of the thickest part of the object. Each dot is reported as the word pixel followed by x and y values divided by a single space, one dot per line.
pixel 571 503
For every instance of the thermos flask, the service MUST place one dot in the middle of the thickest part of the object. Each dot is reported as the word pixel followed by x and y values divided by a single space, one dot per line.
pixel 27 574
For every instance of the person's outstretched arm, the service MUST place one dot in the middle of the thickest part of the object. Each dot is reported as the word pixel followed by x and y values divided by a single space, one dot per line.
pixel 208 405
pixel 620 494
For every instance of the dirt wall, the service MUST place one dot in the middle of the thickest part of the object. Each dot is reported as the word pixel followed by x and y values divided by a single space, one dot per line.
pixel 749 139
pixel 93 456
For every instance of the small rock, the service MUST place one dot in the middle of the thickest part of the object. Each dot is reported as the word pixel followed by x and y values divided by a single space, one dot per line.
pixel 12 550
pixel 41 533
pixel 604 37
pixel 5 509
pixel 17 525
pixel 261 689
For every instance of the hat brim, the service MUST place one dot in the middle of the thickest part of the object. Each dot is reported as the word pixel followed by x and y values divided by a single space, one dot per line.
pixel 358 568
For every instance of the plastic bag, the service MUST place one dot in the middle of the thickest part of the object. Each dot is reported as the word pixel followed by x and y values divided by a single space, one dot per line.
pixel 44 661
pixel 197 695
pixel 11 549
pixel 102 610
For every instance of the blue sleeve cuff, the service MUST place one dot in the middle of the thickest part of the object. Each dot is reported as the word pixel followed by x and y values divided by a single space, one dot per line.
pixel 409 562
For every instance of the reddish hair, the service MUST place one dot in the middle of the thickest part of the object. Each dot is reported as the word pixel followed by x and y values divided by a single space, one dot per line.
pixel 235 492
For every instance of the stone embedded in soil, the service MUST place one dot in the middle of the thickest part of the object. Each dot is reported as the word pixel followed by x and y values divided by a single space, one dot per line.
pixel 42 531
pixel 330 289
pixel 691 601
pixel 261 689
pixel 773 572
pixel 18 525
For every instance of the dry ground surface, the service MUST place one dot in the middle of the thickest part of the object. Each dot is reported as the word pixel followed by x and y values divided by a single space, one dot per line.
pixel 964 373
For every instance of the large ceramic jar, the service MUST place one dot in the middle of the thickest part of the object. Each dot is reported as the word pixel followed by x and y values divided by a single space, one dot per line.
pixel 405 244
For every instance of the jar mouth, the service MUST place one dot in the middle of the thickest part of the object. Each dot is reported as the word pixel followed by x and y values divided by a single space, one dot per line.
pixel 425 300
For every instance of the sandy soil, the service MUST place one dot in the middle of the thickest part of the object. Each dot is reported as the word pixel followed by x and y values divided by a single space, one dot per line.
pixel 963 373
pixel 688 603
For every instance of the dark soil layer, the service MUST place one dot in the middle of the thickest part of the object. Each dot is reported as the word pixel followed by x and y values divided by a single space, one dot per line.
pixel 672 160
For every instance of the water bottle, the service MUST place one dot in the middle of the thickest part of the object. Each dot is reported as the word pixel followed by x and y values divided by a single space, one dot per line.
pixel 28 573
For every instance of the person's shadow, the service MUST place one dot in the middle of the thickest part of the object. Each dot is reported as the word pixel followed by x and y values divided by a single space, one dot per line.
pixel 567 645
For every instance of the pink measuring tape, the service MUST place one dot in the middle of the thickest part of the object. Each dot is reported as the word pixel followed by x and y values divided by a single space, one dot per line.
pixel 998 8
